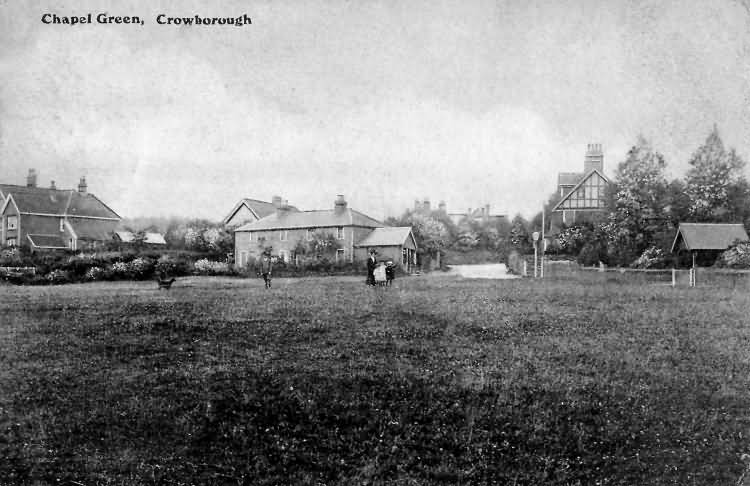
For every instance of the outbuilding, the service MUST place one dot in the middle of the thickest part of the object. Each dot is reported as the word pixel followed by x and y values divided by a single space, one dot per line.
pixel 396 244
pixel 701 243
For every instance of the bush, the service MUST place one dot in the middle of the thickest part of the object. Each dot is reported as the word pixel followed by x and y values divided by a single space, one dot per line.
pixel 58 277
pixel 205 266
pixel 736 256
pixel 591 254
pixel 652 257
pixel 94 273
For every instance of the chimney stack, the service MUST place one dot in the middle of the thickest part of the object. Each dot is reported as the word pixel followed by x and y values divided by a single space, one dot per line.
pixel 276 201
pixel 82 187
pixel 441 207
pixel 52 185
pixel 340 204
pixel 31 178
pixel 426 205
pixel 594 158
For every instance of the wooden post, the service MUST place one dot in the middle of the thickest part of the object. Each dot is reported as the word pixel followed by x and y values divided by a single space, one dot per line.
pixel 694 272
pixel 673 277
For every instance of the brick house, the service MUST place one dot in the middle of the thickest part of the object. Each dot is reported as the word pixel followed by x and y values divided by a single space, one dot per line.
pixel 54 219
pixel 248 210
pixel 583 195
pixel 287 228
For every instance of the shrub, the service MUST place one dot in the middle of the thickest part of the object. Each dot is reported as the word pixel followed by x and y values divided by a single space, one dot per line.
pixel 141 268
pixel 737 256
pixel 205 266
pixel 652 257
pixel 58 277
pixel 591 254
pixel 120 270
pixel 94 273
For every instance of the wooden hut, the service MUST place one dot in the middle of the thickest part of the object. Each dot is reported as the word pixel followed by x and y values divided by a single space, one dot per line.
pixel 701 243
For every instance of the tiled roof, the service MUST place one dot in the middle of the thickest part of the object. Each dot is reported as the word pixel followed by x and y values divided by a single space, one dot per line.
pixel 57 202
pixel 92 229
pixel 312 219
pixel 47 241
pixel 261 208
pixel 709 236
pixel 392 236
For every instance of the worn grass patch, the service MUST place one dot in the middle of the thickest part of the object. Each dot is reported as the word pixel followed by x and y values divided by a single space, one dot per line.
pixel 325 381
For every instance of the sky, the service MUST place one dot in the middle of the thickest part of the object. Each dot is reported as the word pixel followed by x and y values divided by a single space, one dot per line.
pixel 470 102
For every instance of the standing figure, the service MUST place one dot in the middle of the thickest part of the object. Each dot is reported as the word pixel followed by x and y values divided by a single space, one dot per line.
pixel 266 267
pixel 390 273
pixel 371 264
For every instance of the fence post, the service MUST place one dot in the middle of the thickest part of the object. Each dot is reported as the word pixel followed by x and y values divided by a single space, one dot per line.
pixel 673 277
pixel 524 269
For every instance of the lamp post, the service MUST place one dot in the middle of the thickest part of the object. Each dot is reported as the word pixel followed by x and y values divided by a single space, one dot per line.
pixel 543 240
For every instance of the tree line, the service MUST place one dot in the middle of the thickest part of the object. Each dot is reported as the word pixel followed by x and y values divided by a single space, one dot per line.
pixel 643 209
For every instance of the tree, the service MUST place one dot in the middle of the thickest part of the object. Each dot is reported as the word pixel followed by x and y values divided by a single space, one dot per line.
pixel 640 204
pixel 519 234
pixel 715 183
pixel 431 234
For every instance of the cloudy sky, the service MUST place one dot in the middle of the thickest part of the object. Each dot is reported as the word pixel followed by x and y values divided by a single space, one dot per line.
pixel 473 102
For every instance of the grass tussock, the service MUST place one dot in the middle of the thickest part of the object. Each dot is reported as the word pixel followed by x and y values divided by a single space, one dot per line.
pixel 325 381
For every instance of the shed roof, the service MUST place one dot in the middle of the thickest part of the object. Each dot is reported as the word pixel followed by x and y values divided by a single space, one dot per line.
pixel 392 236
pixel 92 229
pixel 325 218
pixel 708 236
pixel 47 241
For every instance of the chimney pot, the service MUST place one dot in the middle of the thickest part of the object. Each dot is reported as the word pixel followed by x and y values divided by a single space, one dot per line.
pixel 340 204
pixel 52 185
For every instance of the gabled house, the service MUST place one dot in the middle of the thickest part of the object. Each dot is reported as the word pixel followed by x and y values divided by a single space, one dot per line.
pixel 248 210
pixel 583 196
pixel 287 228
pixel 54 219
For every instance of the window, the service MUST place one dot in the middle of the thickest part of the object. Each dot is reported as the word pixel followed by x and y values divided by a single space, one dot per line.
pixel 310 234
pixel 284 256
pixel 10 242
pixel 340 255
pixel 283 235
pixel 62 224
pixel 404 256
pixel 243 259
pixel 340 233
pixel 12 222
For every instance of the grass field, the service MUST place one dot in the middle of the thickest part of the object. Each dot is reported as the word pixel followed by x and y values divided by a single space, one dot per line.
pixel 325 381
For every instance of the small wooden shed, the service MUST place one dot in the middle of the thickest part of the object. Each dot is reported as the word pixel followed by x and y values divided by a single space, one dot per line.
pixel 703 242
pixel 392 243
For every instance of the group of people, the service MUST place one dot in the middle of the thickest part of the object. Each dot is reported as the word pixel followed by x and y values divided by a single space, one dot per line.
pixel 380 273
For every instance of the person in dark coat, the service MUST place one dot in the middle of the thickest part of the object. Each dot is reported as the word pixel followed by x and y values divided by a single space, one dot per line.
pixel 371 264
pixel 390 273
pixel 266 267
